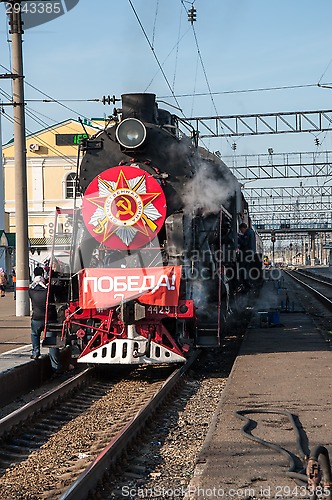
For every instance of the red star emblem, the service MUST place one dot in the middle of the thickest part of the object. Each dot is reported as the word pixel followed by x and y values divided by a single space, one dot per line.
pixel 124 207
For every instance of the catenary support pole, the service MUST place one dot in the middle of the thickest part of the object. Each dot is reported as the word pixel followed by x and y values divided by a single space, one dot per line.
pixel 21 204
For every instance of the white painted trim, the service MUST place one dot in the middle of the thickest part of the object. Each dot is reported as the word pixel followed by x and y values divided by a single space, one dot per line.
pixel 165 355
pixel 64 185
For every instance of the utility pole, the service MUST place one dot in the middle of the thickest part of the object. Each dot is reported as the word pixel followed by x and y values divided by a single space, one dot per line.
pixel 273 239
pixel 21 199
pixel 2 197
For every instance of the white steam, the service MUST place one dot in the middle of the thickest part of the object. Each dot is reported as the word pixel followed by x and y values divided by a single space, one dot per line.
pixel 201 293
pixel 212 186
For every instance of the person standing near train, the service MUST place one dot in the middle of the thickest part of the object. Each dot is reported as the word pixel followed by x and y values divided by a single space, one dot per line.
pixel 14 280
pixel 38 296
pixel 249 237
pixel 3 282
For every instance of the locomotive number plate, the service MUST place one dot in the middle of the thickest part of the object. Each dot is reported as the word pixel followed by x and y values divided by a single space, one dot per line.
pixel 161 310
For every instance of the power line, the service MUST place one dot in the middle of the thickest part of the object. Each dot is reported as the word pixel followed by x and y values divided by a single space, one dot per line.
pixel 202 63
pixel 327 67
pixel 168 55
pixel 44 124
pixel 49 97
pixel 58 153
pixel 177 50
pixel 58 101
pixel 285 87
pixel 155 22
pixel 155 55
pixel 195 94
pixel 46 95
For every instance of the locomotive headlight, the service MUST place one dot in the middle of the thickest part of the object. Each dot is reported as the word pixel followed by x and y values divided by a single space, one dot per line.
pixel 131 133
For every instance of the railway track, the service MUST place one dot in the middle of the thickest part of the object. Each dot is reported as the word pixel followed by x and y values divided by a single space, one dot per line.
pixel 163 462
pixel 62 444
pixel 318 286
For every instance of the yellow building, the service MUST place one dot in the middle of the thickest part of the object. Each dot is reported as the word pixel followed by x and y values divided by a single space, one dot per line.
pixel 52 158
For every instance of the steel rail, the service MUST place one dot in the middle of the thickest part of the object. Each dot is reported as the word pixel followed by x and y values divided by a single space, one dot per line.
pixel 315 278
pixel 105 461
pixel 42 402
pixel 322 298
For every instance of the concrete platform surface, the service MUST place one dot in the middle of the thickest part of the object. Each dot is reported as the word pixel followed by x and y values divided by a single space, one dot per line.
pixel 14 331
pixel 281 367
pixel 18 373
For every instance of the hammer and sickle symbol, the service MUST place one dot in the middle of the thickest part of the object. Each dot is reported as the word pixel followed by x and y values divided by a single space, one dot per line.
pixel 126 205
pixel 101 226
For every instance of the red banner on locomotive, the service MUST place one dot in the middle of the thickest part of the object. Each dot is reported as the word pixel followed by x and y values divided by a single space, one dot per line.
pixel 101 288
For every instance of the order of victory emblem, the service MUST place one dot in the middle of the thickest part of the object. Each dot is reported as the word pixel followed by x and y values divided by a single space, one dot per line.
pixel 124 207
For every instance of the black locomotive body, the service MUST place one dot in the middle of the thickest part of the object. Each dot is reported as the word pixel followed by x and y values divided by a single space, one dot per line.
pixel 154 257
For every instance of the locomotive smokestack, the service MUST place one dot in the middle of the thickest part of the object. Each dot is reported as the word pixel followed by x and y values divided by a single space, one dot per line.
pixel 140 106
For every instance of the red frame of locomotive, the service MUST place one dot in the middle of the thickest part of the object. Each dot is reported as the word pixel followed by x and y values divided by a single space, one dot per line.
pixel 111 327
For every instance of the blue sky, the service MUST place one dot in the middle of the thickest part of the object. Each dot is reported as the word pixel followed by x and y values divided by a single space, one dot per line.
pixel 98 48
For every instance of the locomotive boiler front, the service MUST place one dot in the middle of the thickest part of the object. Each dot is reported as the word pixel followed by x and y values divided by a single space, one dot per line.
pixel 148 137
pixel 127 305
pixel 151 240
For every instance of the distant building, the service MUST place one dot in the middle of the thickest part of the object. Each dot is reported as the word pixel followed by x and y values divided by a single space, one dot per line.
pixel 52 156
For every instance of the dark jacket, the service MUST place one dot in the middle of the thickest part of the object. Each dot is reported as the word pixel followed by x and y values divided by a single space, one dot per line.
pixel 248 242
pixel 38 296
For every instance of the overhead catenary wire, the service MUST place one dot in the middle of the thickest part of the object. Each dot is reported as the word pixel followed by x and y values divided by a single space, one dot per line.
pixel 61 103
pixel 43 124
pixel 31 114
pixel 52 99
pixel 177 51
pixel 168 55
pixel 155 23
pixel 327 67
pixel 154 54
pixel 194 94
pixel 58 101
pixel 203 66
pixel 204 70
pixel 244 91
pixel 195 81
pixel 58 153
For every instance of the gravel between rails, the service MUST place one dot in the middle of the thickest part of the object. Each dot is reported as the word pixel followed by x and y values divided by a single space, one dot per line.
pixel 169 457
pixel 320 315
pixel 45 472
pixel 162 466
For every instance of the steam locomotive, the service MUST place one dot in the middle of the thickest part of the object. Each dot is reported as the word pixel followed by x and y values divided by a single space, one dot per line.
pixel 154 268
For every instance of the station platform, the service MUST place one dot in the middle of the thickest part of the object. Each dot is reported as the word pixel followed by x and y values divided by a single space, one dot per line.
pixel 14 331
pixel 322 270
pixel 285 363
pixel 18 373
